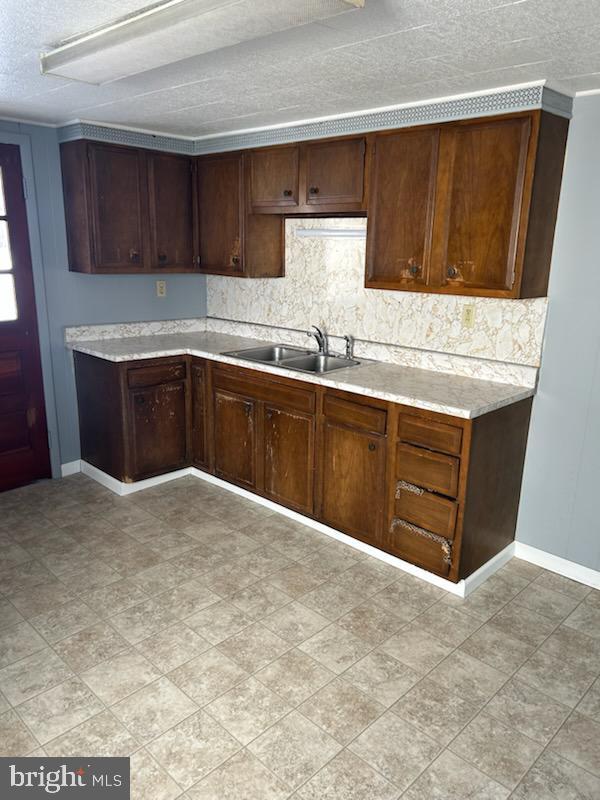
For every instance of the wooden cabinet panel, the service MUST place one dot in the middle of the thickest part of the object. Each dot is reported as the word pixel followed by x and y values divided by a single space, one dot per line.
pixel 235 438
pixel 171 212
pixel 430 434
pixel 478 214
pixel 356 415
pixel 289 457
pixel 425 509
pixel 199 432
pixel 118 206
pixel 156 373
pixel 274 175
pixel 158 429
pixel 335 174
pixel 431 470
pixel 402 190
pixel 353 480
pixel 220 207
pixel 410 545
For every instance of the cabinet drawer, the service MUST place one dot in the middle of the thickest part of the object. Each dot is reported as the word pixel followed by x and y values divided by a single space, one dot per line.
pixel 427 510
pixel 269 391
pixel 365 418
pixel 430 470
pixel 160 373
pixel 419 550
pixel 430 434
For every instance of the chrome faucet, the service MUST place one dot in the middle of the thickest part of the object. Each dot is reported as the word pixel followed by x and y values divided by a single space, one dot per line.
pixel 349 345
pixel 321 338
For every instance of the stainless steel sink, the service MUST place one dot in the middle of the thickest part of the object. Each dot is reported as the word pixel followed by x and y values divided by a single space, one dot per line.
pixel 319 362
pixel 294 358
pixel 269 354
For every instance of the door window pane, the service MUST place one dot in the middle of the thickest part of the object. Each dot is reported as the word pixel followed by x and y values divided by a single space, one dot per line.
pixel 5 257
pixel 8 301
pixel 2 203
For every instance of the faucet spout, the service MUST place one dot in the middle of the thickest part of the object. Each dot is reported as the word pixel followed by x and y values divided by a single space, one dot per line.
pixel 321 338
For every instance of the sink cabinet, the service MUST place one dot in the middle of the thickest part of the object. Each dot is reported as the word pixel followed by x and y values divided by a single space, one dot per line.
pixel 438 491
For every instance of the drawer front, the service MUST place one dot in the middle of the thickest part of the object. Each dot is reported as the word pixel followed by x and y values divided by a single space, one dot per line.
pixel 430 470
pixel 427 510
pixel 269 391
pixel 364 418
pixel 430 434
pixel 154 375
pixel 419 550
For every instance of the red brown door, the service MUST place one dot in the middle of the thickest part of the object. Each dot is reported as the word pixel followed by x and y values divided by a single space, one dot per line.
pixel 24 454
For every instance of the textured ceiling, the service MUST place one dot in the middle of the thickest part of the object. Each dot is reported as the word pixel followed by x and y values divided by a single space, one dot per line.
pixel 390 52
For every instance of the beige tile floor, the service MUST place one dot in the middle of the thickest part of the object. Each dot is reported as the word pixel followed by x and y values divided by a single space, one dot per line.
pixel 236 655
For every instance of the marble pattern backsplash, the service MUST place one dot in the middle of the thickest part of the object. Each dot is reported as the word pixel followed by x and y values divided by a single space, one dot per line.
pixel 324 285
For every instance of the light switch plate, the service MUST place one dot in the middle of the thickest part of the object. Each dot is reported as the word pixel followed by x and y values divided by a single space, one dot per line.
pixel 161 288
pixel 468 315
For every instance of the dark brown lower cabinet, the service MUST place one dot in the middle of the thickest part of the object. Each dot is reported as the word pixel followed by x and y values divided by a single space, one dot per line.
pixel 352 466
pixel 438 491
pixel 235 438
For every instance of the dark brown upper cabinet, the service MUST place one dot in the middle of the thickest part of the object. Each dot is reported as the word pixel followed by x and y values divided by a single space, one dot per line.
pixel 466 207
pixel 401 200
pixel 233 241
pixel 127 209
pixel 274 177
pixel 335 175
pixel 170 200
pixel 321 177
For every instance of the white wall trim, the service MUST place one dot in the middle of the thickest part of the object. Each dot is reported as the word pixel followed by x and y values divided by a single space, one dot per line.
pixel 569 569
pixel 70 468
pixel 493 565
pixel 123 489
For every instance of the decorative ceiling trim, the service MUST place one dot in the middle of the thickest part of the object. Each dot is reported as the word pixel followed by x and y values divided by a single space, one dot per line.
pixel 519 98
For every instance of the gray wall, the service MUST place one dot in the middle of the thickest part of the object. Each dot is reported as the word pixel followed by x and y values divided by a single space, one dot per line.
pixel 66 298
pixel 559 510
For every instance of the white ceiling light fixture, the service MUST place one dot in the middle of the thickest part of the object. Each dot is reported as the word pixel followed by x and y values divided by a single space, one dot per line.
pixel 171 31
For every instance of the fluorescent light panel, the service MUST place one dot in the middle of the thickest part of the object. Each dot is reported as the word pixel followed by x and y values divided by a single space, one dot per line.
pixel 179 29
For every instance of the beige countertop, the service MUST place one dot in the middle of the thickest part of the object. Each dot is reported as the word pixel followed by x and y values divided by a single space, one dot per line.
pixel 421 388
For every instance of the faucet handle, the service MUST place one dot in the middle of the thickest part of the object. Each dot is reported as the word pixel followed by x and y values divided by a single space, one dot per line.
pixel 349 345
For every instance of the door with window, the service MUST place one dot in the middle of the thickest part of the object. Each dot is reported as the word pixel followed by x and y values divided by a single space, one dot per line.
pixel 24 453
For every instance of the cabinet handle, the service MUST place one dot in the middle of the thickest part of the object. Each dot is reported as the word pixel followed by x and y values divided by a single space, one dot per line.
pixel 269 414
pixel 235 259
pixel 134 255
pixel 140 399
pixel 248 409
pixel 372 446
pixel 162 258
pixel 197 261
pixel 415 269
pixel 313 190
pixel 451 272
pixel 287 192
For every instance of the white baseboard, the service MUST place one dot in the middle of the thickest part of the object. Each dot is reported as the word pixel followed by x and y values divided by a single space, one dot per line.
pixel 569 569
pixel 121 488
pixel 493 565
pixel 70 468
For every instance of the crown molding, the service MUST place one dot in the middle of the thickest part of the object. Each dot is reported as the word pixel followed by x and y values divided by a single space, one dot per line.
pixel 446 109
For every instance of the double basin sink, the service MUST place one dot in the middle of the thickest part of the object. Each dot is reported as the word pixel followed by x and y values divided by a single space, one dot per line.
pixel 294 358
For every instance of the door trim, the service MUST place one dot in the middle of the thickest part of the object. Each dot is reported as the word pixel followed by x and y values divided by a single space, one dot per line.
pixel 25 143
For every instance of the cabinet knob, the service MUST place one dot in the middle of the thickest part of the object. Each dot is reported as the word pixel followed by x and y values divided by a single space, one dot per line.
pixel 134 255
pixel 313 190
pixel 248 409
pixel 162 258
pixel 287 192
pixel 269 414
pixel 235 259
pixel 197 261
pixel 451 272
pixel 372 446
pixel 415 269
pixel 140 399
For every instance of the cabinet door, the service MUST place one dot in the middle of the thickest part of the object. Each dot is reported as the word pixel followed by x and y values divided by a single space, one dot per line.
pixel 353 481
pixel 171 211
pixel 335 174
pixel 158 428
pixel 273 178
pixel 235 438
pixel 402 190
pixel 289 457
pixel 199 428
pixel 220 214
pixel 117 207
pixel 479 207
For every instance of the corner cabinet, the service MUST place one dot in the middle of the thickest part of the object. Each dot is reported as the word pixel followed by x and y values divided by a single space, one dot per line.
pixel 127 210
pixel 438 491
